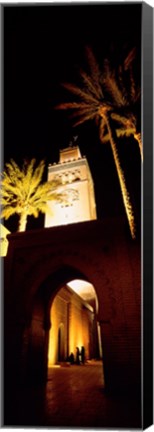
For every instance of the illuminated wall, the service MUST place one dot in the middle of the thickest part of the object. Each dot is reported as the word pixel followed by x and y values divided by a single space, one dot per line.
pixel 77 186
pixel 71 323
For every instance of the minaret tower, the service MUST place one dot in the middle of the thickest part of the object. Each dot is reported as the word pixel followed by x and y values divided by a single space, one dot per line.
pixel 77 185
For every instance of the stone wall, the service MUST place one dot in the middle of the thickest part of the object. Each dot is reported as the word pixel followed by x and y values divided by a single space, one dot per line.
pixel 40 262
pixel 71 322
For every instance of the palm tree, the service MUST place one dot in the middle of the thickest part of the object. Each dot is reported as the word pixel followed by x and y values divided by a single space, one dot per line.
pixel 23 193
pixel 124 95
pixel 91 104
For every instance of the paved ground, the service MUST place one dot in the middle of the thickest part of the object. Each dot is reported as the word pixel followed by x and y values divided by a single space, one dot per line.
pixel 73 397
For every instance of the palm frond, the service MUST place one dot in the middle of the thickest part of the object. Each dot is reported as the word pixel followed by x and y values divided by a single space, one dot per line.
pixel 122 85
pixel 84 111
pixel 111 84
pixel 94 69
pixel 130 57
pixel 132 86
pixel 120 133
pixel 137 95
pixel 71 105
pixel 89 83
pixel 120 118
pixel 124 132
pixel 82 94
pixel 7 212
pixel 35 178
pixel 83 119
pixel 13 170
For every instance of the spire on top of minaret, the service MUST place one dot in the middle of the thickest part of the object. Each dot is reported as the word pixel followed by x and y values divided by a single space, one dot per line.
pixel 73 141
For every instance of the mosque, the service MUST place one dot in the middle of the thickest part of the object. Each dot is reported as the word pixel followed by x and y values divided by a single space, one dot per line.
pixel 74 283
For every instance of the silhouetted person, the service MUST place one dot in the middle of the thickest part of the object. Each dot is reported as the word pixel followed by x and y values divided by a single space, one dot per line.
pixel 71 358
pixel 77 356
pixel 83 354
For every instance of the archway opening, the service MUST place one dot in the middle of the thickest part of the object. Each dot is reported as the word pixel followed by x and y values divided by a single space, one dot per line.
pixel 74 326
pixel 64 320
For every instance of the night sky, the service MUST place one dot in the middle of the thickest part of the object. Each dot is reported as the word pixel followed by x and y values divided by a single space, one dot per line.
pixel 44 45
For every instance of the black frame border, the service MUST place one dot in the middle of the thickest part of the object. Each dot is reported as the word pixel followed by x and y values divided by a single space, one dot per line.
pixel 147 216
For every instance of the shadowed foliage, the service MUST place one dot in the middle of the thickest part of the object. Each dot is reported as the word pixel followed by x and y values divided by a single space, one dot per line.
pixel 124 94
pixel 99 97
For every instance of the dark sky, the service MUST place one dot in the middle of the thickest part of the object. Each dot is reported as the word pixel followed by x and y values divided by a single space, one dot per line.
pixel 43 47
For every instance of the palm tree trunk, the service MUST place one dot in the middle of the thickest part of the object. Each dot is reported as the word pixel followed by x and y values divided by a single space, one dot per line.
pixel 22 222
pixel 138 138
pixel 125 195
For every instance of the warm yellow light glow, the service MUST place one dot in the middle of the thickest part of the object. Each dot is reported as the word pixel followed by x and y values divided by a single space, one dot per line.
pixel 78 198
pixel 76 330
pixel 55 366
pixel 52 352
pixel 70 154
pixel 3 240
pixel 83 288
pixel 138 138
pixel 70 318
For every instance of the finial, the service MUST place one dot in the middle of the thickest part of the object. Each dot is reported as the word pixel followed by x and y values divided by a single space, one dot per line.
pixel 73 140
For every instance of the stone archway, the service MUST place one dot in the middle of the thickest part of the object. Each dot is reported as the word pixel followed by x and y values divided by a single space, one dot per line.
pixel 37 265
pixel 35 346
